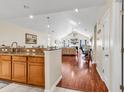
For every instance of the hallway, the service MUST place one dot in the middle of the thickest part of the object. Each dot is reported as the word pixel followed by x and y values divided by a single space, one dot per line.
pixel 80 77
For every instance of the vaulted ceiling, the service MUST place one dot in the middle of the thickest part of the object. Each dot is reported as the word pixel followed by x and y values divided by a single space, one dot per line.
pixel 61 14
pixel 15 8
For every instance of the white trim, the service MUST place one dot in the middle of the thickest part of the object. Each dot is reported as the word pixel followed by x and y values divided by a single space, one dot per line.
pixel 100 74
pixel 54 85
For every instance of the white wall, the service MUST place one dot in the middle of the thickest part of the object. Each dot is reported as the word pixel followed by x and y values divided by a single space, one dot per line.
pixel 99 47
pixel 108 3
pixel 53 60
pixel 103 62
pixel 116 47
pixel 12 33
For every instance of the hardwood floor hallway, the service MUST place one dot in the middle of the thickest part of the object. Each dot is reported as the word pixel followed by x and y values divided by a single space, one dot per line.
pixel 78 76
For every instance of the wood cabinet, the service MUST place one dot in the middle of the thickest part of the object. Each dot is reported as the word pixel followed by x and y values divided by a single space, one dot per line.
pixel 19 69
pixel 36 71
pixel 23 69
pixel 5 67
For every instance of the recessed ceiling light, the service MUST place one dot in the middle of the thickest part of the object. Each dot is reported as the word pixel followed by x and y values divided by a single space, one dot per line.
pixel 31 16
pixel 48 26
pixel 76 10
pixel 79 23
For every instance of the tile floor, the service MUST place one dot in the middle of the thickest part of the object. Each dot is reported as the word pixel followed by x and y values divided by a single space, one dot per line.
pixel 3 84
pixel 58 89
pixel 17 87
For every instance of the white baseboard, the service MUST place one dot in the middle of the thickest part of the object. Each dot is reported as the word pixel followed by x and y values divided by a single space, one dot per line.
pixel 54 85
pixel 100 74
pixel 103 78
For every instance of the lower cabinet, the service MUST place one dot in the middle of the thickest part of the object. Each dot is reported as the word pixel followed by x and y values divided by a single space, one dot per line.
pixel 23 69
pixel 19 71
pixel 19 68
pixel 36 74
pixel 5 67
pixel 5 70
pixel 0 69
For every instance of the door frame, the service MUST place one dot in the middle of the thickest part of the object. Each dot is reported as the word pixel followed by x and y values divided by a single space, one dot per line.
pixel 122 47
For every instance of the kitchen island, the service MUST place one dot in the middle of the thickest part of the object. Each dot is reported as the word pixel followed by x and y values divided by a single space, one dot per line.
pixel 53 61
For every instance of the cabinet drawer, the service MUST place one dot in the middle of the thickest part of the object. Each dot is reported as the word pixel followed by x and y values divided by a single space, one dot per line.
pixel 36 59
pixel 19 58
pixel 5 58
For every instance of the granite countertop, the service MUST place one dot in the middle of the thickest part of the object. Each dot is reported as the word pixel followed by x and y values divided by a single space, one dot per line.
pixel 24 54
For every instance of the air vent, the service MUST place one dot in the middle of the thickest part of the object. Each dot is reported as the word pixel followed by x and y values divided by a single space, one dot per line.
pixel 26 7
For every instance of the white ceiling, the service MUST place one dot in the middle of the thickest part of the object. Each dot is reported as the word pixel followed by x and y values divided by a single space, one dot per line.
pixel 15 8
pixel 62 23
pixel 61 12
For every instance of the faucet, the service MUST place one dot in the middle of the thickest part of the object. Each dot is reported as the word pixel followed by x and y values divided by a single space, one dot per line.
pixel 12 47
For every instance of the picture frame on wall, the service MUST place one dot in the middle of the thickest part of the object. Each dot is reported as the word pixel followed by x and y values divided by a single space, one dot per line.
pixel 30 39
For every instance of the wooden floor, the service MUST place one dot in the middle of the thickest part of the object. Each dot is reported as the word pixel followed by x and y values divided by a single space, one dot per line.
pixel 78 76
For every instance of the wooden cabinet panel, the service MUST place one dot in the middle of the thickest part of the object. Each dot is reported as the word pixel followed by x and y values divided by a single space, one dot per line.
pixel 5 70
pixel 5 67
pixel 19 71
pixel 5 58
pixel 35 59
pixel 0 68
pixel 36 74
pixel 19 58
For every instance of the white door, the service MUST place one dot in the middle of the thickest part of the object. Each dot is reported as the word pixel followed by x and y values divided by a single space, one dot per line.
pixel 106 50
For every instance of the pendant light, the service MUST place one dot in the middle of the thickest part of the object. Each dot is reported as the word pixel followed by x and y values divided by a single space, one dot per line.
pixel 49 35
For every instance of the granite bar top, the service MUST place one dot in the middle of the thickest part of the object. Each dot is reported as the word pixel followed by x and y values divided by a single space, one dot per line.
pixel 23 54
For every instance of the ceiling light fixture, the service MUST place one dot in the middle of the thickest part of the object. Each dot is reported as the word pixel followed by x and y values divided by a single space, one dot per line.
pixel 48 19
pixel 76 10
pixel 48 26
pixel 31 16
pixel 72 22
pixel 79 23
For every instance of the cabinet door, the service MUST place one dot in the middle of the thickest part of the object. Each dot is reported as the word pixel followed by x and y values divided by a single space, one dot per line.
pixel 0 69
pixel 19 71
pixel 36 74
pixel 5 70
